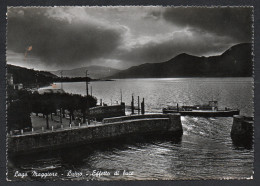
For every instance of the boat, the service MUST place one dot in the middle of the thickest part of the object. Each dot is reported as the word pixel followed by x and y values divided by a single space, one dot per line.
pixel 207 110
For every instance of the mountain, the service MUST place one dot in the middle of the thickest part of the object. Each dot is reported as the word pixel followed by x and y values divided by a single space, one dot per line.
pixel 235 62
pixel 29 76
pixel 95 72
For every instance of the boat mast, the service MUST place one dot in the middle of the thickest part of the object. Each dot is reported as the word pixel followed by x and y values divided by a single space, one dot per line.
pixel 87 82
pixel 121 96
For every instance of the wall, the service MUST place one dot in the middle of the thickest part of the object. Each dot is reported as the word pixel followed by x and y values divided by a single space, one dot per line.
pixel 242 130
pixel 70 137
pixel 99 113
pixel 123 118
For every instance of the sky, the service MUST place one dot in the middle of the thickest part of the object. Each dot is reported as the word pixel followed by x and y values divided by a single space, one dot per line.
pixel 62 38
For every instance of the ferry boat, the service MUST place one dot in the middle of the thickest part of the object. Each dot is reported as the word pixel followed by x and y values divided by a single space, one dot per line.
pixel 207 110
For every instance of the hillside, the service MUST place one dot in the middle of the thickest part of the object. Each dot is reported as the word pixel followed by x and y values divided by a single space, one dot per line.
pixel 29 76
pixel 95 72
pixel 235 62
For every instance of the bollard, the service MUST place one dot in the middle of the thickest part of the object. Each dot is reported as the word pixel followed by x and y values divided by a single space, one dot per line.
pixel 142 107
pixel 70 125
pixel 32 130
pixel 51 128
pixel 138 105
pixel 132 105
pixel 42 129
pixel 79 124
pixel 61 126
pixel 21 131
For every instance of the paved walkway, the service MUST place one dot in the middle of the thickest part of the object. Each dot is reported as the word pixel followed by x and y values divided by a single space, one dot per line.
pixel 39 124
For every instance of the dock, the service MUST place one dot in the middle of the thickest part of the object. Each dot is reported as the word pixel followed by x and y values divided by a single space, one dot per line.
pixel 109 128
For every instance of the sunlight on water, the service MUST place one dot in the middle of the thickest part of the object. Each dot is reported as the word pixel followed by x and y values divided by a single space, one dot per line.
pixel 158 93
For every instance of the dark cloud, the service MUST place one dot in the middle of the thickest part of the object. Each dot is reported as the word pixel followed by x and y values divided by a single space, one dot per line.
pixel 189 41
pixel 58 42
pixel 229 21
pixel 70 37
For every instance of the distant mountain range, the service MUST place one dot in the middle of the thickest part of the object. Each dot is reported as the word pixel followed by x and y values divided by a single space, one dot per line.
pixel 94 72
pixel 235 62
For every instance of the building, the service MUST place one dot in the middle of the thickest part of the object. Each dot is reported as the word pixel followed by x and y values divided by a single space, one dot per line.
pixel 50 90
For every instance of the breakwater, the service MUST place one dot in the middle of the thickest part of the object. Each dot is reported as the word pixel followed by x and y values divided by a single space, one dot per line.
pixel 133 125
pixel 101 112
pixel 242 130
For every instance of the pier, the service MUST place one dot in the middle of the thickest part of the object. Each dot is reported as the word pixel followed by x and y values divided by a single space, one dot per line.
pixel 101 112
pixel 242 130
pixel 110 128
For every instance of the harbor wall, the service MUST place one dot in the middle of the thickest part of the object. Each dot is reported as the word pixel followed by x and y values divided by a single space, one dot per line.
pixel 88 134
pixel 101 112
pixel 124 118
pixel 242 130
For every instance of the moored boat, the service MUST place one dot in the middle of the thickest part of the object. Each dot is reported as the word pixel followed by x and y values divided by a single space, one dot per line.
pixel 207 110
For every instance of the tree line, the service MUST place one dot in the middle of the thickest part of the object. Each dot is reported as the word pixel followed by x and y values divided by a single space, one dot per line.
pixel 21 103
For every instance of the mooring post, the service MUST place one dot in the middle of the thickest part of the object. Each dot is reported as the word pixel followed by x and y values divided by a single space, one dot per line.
pixel 138 107
pixel 132 105
pixel 100 102
pixel 121 96
pixel 123 107
pixel 142 107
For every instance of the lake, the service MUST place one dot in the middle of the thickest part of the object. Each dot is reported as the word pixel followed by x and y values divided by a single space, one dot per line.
pixel 205 150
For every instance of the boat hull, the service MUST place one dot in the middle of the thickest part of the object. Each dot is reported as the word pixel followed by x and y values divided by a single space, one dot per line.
pixel 228 113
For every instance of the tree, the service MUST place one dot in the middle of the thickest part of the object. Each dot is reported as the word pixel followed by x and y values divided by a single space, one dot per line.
pixel 18 109
pixel 18 115
pixel 86 103
pixel 47 107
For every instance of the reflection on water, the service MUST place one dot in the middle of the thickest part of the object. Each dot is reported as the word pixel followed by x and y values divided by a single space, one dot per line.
pixel 158 93
pixel 205 150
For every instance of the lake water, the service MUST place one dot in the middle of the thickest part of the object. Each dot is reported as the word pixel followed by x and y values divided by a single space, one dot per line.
pixel 205 150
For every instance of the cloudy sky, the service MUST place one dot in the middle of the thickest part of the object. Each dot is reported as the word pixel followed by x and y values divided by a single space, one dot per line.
pixel 120 37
